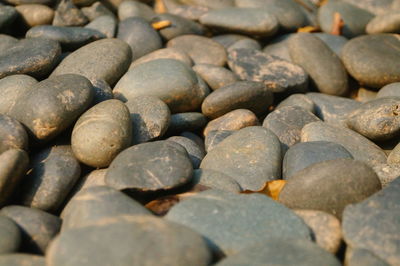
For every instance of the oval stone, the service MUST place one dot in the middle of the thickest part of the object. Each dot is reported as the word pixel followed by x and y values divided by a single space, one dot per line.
pixel 131 8
pixel 195 152
pixel 12 134
pixel 67 14
pixel 300 100
pixel 392 89
pixel 330 186
pixel 149 167
pixel 190 121
pixel 101 133
pixel 179 26
pixel 215 180
pixel 394 156
pixel 10 236
pixel 385 23
pixel 252 156
pixel 17 259
pixel 215 137
pixel 164 53
pixel 106 24
pixel 215 76
pixel 35 14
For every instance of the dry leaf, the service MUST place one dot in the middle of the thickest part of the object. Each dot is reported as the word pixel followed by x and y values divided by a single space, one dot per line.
pixel 337 25
pixel 308 29
pixel 159 25
pixel 271 189
pixel 322 2
pixel 159 7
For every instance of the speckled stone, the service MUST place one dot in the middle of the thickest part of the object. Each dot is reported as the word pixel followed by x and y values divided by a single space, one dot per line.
pixel 360 147
pixel 392 89
pixel 190 121
pixel 215 180
pixel 106 59
pixel 12 134
pixel 136 168
pixel 35 14
pixel 300 100
pixel 6 42
pixel 10 236
pixel 373 224
pixel 304 154
pixel 67 14
pixel 34 57
pixel 277 74
pixel 37 227
pixel 131 8
pixel 179 26
pixel 253 218
pixel 18 259
pixel 215 76
pixel 373 60
pixel 202 50
pixel 394 156
pixel 387 173
pixel 196 153
pixel 258 161
pixel 164 53
pixel 104 24
pixel 131 237
pixel 283 252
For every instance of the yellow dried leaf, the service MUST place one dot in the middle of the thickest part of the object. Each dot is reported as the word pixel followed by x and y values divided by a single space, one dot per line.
pixel 159 25
pixel 271 189
pixel 308 29
pixel 338 24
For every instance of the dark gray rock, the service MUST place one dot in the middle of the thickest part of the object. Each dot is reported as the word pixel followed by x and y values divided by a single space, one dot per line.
pixel 179 26
pixel 164 53
pixel 102 91
pixel 70 38
pixel 356 19
pixel 278 46
pixel 13 166
pixel 195 152
pixel 106 59
pixel 287 122
pixel 196 138
pixel 150 118
pixel 52 105
pixel 334 42
pixel 140 36
pixel 377 119
pixel 254 218
pixel 252 156
pixel 17 259
pixel 53 173
pixel 34 57
pixel 300 100
pixel 360 147
pixel 330 186
pixel 373 60
pixel 226 40
pixel 130 238
pixel 170 80
pixel 190 121
pixel 282 252
pixel 187 11
pixel 67 14
pixel 277 74
pixel 215 180
pixel 392 89
pixel 215 76
pixel 107 25
pixel 385 23
pixel 202 50
pixel 7 16
pixel 215 137
pixel 6 42
pixel 387 173
pixel 320 62
pixel 12 134
pixel 92 204
pixel 376 7
pixel 131 8
pixel 254 96
pixel 37 227
pixel 304 154
pixel 10 236
pixel 250 21
pixel 373 224
pixel 150 166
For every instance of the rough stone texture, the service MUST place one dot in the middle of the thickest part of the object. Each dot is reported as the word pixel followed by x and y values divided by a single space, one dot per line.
pixel 67 14
pixel 325 227
pixel 304 154
pixel 13 166
pixel 373 60
pixel 360 147
pixel 215 180
pixel 179 26
pixel 202 50
pixel 376 7
pixel 37 227
pixel 215 137
pixel 92 204
pixel 373 224
pixel 101 133
pixel 35 57
pixel 170 80
pixel 215 76
pixel 339 182
pixel 104 59
pixel 377 119
pixel 52 105
pixel 195 152
pixel 10 236
pixel 18 259
pixel 277 74
pixel 131 237
pixel 252 156
pixel 35 14
pixel 320 62
pixel 12 134
pixel 189 121
pixel 150 118
pixel 216 214
pixel 150 166
pixel 283 252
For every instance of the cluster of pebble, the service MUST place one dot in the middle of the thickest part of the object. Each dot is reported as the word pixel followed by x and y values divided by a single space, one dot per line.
pixel 198 132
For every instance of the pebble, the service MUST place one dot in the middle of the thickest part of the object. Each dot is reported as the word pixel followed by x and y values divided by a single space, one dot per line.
pixel 92 204
pixel 215 76
pixel 102 91
pixel 107 25
pixel 394 156
pixel 320 62
pixel 35 57
pixel 360 147
pixel 67 14
pixel 249 21
pixel 215 137
pixel 195 152
pixel 180 26
pixel 326 228
pixel 96 10
pixel 215 180
pixel 170 80
pixel 252 156
pixel 387 173
pixel 373 60
pixel 13 166
pixel 106 59
pixel 254 218
pixel 137 168
pixel 385 23
pixel 283 252
pixel 300 100
pixel 12 134
pixel 360 256
pixel 377 215
pixel 189 121
pixel 377 119
pixel 254 96
pixel 10 236
pixel 334 42
pixel 277 74
pixel 287 122
pixel 164 53
pixel 246 44
pixel 304 154
pixel 392 89
pixel 7 16
pixel 94 178
pixel 35 14
pixel 6 42
pixel 17 259
pixel 131 237
pixel 52 174
pixel 365 95
pixel 37 227
pixel 340 182
pixel 131 8
pixel 201 50
pixel 229 39
pixel 373 6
